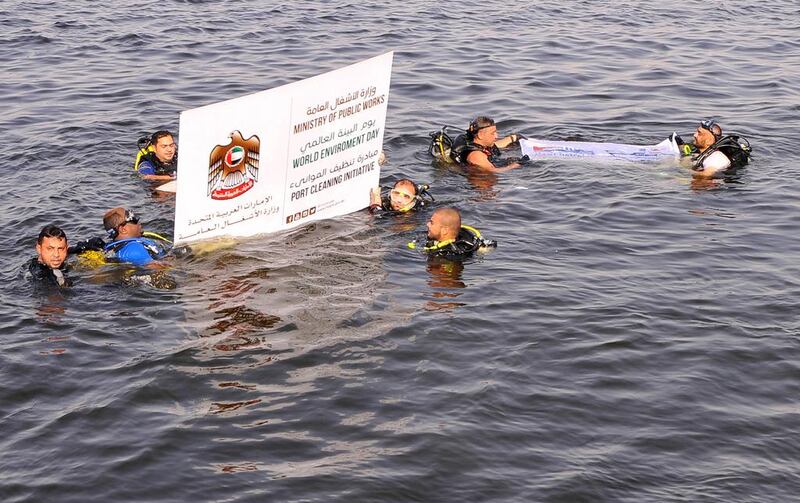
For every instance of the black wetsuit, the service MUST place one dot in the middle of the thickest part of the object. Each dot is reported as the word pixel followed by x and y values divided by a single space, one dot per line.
pixel 42 274
pixel 159 168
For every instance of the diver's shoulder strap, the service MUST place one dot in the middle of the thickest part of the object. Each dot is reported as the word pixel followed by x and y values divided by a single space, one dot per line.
pixel 142 155
pixel 154 235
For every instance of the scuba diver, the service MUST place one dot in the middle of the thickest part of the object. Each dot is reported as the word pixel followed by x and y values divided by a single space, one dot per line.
pixel 403 197
pixel 49 266
pixel 157 158
pixel 714 155
pixel 128 242
pixel 478 147
pixel 449 239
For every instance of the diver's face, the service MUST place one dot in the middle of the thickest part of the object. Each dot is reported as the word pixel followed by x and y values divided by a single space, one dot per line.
pixel 401 197
pixel 130 229
pixel 165 148
pixel 435 227
pixel 703 138
pixel 52 251
pixel 487 136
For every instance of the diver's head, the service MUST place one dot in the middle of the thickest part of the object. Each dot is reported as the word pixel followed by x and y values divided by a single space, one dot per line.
pixel 51 246
pixel 122 224
pixel 706 134
pixel 483 131
pixel 444 224
pixel 403 195
pixel 164 145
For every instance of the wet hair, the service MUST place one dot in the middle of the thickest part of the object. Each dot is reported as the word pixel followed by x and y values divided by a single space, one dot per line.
pixel 406 181
pixel 113 218
pixel 716 130
pixel 479 123
pixel 158 135
pixel 51 231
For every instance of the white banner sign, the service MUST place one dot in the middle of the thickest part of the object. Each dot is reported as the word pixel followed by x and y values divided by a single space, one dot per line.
pixel 543 149
pixel 282 157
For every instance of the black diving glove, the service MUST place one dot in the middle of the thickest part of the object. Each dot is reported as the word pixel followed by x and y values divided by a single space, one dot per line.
pixel 524 160
pixel 96 244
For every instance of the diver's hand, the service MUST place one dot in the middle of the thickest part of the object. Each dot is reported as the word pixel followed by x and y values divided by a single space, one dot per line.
pixel 96 244
pixel 84 246
pixel 375 196
pixel 524 160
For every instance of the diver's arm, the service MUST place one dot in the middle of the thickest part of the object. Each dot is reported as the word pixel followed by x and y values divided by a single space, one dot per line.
pixel 147 171
pixel 375 204
pixel 481 160
pixel 375 196
pixel 508 140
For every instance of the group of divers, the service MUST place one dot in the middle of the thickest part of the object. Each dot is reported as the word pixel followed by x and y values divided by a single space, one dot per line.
pixel 710 153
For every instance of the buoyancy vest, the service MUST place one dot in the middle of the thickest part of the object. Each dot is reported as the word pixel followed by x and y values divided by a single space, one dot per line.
pixel 157 246
pixel 464 245
pixel 735 148
pixel 463 145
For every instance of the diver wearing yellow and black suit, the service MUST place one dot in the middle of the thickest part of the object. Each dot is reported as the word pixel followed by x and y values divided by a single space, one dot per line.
pixel 714 155
pixel 403 197
pixel 480 147
pixel 157 158
pixel 449 239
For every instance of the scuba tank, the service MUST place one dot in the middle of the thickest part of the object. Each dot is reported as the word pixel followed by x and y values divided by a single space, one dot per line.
pixel 442 143
pixel 143 148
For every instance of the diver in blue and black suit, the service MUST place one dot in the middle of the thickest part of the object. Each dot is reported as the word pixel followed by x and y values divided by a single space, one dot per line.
pixel 129 243
pixel 157 158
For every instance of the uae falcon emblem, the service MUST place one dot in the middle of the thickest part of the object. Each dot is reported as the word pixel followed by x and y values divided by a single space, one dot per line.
pixel 233 168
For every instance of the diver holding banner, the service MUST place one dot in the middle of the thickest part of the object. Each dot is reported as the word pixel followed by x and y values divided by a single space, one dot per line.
pixel 478 147
pixel 713 154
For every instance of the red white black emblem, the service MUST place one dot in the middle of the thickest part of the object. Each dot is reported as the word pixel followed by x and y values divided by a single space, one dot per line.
pixel 233 168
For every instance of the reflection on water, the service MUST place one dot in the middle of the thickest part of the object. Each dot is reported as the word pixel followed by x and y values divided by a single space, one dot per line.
pixel 258 296
pixel 444 279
